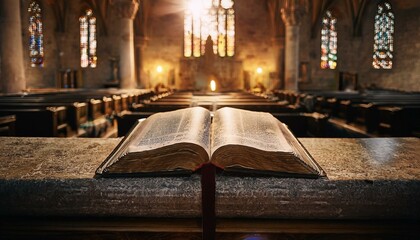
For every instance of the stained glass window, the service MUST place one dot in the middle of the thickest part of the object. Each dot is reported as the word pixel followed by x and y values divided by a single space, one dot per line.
pixel 328 41
pixel 384 37
pixel 214 18
pixel 88 40
pixel 36 36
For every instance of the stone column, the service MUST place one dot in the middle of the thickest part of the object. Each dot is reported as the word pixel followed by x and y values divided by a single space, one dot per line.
pixel 126 10
pixel 140 43
pixel 292 15
pixel 12 74
pixel 278 45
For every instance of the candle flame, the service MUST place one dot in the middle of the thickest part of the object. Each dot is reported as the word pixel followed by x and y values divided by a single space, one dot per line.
pixel 213 85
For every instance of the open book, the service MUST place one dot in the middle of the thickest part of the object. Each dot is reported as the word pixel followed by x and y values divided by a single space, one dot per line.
pixel 234 140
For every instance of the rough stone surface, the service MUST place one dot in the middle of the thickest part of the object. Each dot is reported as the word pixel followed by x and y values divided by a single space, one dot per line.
pixel 52 158
pixel 367 179
pixel 367 159
pixel 54 176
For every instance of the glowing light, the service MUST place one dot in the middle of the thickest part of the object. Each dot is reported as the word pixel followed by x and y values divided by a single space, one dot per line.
pixel 203 18
pixel 195 6
pixel 88 42
pixel 213 85
pixel 227 4
pixel 259 70
pixel 159 69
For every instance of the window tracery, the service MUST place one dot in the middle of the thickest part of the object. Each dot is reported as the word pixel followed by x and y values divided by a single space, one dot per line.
pixel 383 46
pixel 329 41
pixel 214 18
pixel 88 41
pixel 36 35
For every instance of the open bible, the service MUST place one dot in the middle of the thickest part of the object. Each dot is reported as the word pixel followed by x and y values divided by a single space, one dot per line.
pixel 234 140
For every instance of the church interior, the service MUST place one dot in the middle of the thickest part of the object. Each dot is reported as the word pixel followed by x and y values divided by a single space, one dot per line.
pixel 76 76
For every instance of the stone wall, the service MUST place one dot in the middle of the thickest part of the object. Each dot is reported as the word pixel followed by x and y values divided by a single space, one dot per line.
pixel 62 48
pixel 165 45
pixel 254 41
pixel 405 74
pixel 355 52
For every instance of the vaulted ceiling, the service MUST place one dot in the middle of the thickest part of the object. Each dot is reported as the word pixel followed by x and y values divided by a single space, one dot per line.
pixel 353 8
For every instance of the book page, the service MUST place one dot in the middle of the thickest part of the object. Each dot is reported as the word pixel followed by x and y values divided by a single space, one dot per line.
pixel 254 129
pixel 190 125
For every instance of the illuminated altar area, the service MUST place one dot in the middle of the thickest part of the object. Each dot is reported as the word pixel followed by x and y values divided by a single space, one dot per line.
pixel 195 74
pixel 209 47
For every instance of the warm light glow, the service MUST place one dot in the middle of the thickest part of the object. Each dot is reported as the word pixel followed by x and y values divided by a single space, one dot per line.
pixel 214 18
pixel 226 4
pixel 88 41
pixel 259 70
pixel 195 6
pixel 159 69
pixel 213 85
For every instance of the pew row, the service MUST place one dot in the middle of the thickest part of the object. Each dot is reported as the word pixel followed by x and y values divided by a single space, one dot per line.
pixel 40 122
pixel 378 113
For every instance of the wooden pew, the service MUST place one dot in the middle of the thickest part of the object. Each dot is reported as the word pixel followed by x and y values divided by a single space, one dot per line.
pixel 7 125
pixel 39 122
pixel 272 107
pixel 66 99
pixel 85 108
pixel 393 120
pixel 373 111
pixel 126 121
pixel 301 124
pixel 305 124
pixel 122 100
pixel 83 114
pixel 366 111
pixel 160 106
pixel 215 101
pixel 329 101
pixel 76 112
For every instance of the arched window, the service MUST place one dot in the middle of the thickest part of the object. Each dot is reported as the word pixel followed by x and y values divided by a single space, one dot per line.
pixel 36 37
pixel 384 37
pixel 214 18
pixel 88 40
pixel 328 42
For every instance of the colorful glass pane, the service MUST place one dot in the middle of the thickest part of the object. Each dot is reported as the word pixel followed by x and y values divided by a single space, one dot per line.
pixel 383 46
pixel 36 36
pixel 328 42
pixel 214 18
pixel 88 42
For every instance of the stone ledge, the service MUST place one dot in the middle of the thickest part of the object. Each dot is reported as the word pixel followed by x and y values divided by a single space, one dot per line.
pixel 367 179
